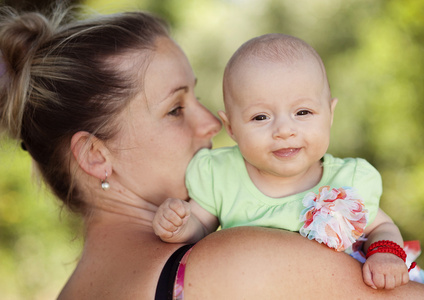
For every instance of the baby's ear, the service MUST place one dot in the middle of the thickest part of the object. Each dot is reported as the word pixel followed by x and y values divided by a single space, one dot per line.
pixel 227 124
pixel 91 154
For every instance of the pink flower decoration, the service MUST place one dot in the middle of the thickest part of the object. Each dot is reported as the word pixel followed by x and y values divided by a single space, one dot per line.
pixel 335 217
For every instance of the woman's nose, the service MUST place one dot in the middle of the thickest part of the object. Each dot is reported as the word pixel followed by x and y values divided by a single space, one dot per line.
pixel 207 124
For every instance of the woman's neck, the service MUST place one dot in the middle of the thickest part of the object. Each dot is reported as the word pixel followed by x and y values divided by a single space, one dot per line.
pixel 112 208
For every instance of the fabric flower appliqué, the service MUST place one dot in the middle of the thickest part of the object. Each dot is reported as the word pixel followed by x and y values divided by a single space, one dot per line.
pixel 335 217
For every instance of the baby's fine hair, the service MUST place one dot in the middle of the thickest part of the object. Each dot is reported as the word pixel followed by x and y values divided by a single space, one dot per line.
pixel 273 47
pixel 58 77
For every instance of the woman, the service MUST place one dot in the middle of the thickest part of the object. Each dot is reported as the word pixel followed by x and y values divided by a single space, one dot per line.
pixel 106 108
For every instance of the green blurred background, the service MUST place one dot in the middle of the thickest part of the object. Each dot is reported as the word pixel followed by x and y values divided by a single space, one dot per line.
pixel 373 51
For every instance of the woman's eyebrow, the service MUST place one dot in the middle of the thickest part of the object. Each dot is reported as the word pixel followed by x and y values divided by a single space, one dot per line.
pixel 174 91
pixel 184 88
pixel 180 88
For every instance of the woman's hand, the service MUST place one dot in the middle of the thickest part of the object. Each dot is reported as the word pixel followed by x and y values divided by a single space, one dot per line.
pixel 385 271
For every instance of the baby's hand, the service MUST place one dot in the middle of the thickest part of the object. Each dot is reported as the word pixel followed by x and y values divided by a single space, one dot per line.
pixel 170 218
pixel 385 271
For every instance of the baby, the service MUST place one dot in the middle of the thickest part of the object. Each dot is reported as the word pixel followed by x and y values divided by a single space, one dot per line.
pixel 279 111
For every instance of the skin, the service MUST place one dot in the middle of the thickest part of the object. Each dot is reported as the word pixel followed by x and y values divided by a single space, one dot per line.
pixel 280 114
pixel 161 131
pixel 122 257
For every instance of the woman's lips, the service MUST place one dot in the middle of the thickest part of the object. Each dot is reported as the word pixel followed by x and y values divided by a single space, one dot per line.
pixel 286 152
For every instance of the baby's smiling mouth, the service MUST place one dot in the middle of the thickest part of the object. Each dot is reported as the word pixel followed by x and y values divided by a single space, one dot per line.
pixel 286 152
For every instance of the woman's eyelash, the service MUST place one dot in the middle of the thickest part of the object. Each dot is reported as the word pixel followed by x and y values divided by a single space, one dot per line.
pixel 176 111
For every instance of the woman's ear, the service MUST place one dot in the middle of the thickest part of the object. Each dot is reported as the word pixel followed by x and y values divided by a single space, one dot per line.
pixel 225 120
pixel 91 154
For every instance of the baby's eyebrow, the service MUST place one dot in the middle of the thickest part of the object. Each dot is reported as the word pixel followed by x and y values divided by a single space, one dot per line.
pixel 254 105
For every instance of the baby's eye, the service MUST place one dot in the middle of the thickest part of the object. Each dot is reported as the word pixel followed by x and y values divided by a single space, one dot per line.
pixel 303 112
pixel 260 118
pixel 175 112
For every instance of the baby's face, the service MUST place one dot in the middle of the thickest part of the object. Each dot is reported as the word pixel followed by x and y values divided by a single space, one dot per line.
pixel 280 115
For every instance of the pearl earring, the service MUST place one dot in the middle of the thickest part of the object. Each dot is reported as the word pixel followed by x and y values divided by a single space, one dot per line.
pixel 105 183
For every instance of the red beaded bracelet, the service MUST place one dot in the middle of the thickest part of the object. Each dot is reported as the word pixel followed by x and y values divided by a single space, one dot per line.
pixel 386 246
pixel 399 253
pixel 385 243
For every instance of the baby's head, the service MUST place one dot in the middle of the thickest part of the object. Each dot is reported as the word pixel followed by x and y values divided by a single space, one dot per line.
pixel 274 48
pixel 277 100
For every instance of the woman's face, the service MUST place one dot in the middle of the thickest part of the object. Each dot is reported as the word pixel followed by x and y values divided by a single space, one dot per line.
pixel 163 127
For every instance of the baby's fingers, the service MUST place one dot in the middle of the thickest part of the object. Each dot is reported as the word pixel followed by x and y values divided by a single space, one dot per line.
pixel 162 227
pixel 405 278
pixel 162 232
pixel 171 220
pixel 180 207
pixel 367 276
pixel 391 282
pixel 167 225
pixel 385 271
pixel 388 281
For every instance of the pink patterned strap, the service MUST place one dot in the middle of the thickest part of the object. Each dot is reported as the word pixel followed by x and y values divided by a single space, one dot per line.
pixel 179 280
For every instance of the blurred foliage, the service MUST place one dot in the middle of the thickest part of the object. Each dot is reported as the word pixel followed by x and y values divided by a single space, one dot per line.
pixel 373 51
pixel 38 240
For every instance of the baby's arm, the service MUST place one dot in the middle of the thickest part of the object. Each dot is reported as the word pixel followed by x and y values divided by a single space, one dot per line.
pixel 384 270
pixel 179 221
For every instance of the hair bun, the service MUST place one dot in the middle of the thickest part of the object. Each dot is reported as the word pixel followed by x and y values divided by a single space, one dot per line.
pixel 20 37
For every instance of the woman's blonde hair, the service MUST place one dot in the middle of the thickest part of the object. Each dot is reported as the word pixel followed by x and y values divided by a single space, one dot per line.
pixel 57 79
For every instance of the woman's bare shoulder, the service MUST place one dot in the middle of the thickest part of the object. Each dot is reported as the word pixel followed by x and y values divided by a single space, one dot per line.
pixel 262 263
pixel 243 262
pixel 118 265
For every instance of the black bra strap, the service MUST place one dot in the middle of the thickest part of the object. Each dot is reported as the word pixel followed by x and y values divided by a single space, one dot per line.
pixel 166 281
